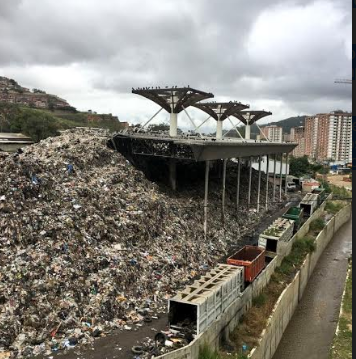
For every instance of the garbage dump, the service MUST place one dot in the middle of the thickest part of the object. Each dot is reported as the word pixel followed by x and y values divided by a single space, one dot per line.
pixel 88 244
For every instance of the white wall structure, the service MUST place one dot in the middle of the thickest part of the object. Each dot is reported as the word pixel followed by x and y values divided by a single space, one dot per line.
pixel 273 133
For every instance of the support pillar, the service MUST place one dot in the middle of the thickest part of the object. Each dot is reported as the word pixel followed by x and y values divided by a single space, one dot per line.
pixel 223 191
pixel 219 129
pixel 281 179
pixel 249 183
pixel 274 177
pixel 267 181
pixel 287 158
pixel 248 132
pixel 173 173
pixel 173 127
pixel 207 168
pixel 238 184
pixel 259 184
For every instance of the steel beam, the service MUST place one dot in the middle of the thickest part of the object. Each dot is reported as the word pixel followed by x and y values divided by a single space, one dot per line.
pixel 281 179
pixel 173 173
pixel 259 184
pixel 249 183
pixel 223 191
pixel 274 177
pixel 238 184
pixel 287 158
pixel 267 182
pixel 207 168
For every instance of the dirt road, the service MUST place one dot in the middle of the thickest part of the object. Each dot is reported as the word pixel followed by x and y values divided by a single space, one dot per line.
pixel 311 330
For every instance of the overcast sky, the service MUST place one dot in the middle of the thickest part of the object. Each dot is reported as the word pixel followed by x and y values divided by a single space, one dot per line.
pixel 277 55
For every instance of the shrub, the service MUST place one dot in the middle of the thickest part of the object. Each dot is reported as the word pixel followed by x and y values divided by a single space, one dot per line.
pixel 333 207
pixel 205 352
pixel 260 300
pixel 317 225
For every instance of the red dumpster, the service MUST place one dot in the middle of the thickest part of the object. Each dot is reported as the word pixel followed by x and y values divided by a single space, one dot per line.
pixel 250 257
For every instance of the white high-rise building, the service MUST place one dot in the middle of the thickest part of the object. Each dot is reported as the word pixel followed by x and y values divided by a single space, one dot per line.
pixel 329 136
pixel 273 133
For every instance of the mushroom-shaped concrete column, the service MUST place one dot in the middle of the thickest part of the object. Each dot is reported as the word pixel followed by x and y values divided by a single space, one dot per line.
pixel 249 118
pixel 220 111
pixel 173 100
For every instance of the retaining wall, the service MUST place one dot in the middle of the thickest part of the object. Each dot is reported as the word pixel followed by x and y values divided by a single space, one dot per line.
pixel 229 320
pixel 288 301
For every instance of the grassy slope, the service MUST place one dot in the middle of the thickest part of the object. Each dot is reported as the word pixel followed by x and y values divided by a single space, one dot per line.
pixel 61 120
pixel 342 346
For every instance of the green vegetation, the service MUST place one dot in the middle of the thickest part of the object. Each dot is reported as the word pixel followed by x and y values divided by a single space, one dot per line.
pixel 295 259
pixel 317 225
pixel 333 207
pixel 259 301
pixel 300 166
pixel 342 345
pixel 206 353
pixel 40 124
pixel 273 232
pixel 338 192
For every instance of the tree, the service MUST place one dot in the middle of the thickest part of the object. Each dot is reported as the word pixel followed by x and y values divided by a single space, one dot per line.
pixel 8 112
pixel 300 166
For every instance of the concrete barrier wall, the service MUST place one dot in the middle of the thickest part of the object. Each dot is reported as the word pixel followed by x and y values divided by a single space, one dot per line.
pixel 288 301
pixel 229 320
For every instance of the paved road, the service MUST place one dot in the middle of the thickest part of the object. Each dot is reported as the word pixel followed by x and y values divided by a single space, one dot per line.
pixel 311 330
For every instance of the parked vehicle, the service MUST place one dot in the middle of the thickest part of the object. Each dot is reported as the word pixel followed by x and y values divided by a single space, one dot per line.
pixel 291 186
pixel 252 259
pixel 296 214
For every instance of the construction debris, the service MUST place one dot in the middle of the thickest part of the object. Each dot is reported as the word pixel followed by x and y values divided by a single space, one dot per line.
pixel 88 244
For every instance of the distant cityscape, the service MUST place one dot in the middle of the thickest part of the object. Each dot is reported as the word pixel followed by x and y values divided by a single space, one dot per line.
pixel 324 137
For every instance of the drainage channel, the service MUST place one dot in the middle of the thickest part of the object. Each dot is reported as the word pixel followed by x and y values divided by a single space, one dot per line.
pixel 311 330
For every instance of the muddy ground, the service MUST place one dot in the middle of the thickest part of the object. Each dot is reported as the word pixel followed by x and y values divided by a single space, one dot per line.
pixel 312 328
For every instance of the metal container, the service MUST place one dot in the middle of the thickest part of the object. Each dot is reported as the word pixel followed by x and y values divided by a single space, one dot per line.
pixel 252 259
pixel 296 214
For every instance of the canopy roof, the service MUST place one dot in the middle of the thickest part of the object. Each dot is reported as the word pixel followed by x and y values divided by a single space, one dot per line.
pixel 221 110
pixel 177 97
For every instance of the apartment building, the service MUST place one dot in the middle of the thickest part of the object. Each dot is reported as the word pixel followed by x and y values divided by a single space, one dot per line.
pixel 297 135
pixel 273 133
pixel 329 136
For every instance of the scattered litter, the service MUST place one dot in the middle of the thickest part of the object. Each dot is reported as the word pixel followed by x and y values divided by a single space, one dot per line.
pixel 89 245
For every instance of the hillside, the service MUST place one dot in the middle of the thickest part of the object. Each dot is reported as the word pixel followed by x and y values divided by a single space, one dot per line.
pixel 12 92
pixel 40 124
pixel 39 115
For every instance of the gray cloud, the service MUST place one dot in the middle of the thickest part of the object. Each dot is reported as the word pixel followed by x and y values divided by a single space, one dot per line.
pixel 284 51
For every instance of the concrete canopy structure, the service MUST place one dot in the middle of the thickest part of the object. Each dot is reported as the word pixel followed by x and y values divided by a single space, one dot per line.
pixel 173 100
pixel 249 118
pixel 220 111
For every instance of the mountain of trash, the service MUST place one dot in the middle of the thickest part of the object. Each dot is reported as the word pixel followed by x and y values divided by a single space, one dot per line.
pixel 88 244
